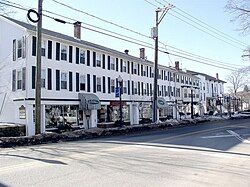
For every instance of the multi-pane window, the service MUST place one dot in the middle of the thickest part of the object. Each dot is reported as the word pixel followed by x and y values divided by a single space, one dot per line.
pixel 43 48
pixel 19 48
pixel 124 69
pixel 83 82
pixel 64 52
pixel 98 60
pixel 177 78
pixel 135 69
pixel 135 87
pixel 144 88
pixel 112 85
pixel 125 85
pixel 207 88
pixel 19 79
pixel 64 80
pixel 185 93
pixel 112 63
pixel 82 56
pixel 43 78
pixel 99 84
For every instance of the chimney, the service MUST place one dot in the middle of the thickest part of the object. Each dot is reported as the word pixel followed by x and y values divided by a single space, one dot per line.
pixel 217 76
pixel 177 65
pixel 142 53
pixel 126 51
pixel 77 30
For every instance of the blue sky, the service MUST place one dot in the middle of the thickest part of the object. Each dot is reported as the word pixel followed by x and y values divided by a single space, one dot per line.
pixel 140 16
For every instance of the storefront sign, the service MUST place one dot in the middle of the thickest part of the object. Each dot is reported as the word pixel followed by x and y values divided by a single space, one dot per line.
pixel 22 112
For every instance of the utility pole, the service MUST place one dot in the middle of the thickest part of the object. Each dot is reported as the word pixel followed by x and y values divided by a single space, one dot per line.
pixel 38 71
pixel 155 36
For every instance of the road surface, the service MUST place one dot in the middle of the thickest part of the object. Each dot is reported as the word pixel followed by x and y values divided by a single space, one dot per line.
pixel 211 154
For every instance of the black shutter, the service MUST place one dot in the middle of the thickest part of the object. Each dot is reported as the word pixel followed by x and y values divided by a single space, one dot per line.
pixel 108 62
pixel 94 59
pixel 77 55
pixel 33 46
pixel 121 65
pixel 116 64
pixel 49 79
pixel 70 81
pixel 103 85
pixel 109 85
pixel 142 88
pixel 142 70
pixel 132 68
pixel 103 61
pixel 128 87
pixel 150 72
pixel 88 58
pixel 132 87
pixel 57 51
pixel 77 82
pixel 23 78
pixel 147 89
pixel 139 90
pixel 88 82
pixel 138 67
pixel 147 71
pixel 150 90
pixel 49 49
pixel 94 83
pixel 33 76
pixel 57 79
pixel 14 50
pixel 70 53
pixel 128 67
pixel 14 80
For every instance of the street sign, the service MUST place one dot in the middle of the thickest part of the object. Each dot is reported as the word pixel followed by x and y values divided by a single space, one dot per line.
pixel 117 92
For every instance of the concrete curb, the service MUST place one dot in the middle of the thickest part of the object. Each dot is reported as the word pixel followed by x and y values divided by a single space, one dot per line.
pixel 94 133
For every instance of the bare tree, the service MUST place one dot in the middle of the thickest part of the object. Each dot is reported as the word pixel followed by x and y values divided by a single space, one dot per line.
pixel 241 11
pixel 238 79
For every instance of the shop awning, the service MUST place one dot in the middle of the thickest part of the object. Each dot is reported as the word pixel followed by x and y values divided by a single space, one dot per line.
pixel 89 101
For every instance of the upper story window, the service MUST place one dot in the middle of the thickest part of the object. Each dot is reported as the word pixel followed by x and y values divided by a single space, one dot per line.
pixel 43 78
pixel 82 82
pixel 177 78
pixel 135 68
pixel 82 56
pixel 19 79
pixel 182 79
pixel 98 60
pixel 112 63
pixel 185 93
pixel 204 86
pixel 99 84
pixel 43 47
pixel 135 87
pixel 125 85
pixel 64 51
pixel 19 48
pixel 64 80
pixel 124 69
pixel 207 87
pixel 112 85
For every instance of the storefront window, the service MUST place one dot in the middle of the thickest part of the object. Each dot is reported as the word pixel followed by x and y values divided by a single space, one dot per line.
pixel 56 115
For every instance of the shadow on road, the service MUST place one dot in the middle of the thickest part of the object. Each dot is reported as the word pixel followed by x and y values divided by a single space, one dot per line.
pixel 33 158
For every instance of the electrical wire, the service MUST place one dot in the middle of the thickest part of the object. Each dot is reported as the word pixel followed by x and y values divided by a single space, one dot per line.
pixel 136 43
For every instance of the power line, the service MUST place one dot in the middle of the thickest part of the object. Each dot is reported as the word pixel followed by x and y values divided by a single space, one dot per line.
pixel 213 29
pixel 195 25
pixel 91 15
pixel 133 42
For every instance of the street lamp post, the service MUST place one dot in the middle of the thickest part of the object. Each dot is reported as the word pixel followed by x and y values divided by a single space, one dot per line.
pixel 120 80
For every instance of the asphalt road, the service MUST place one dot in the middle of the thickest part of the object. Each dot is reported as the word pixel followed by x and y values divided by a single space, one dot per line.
pixel 212 154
